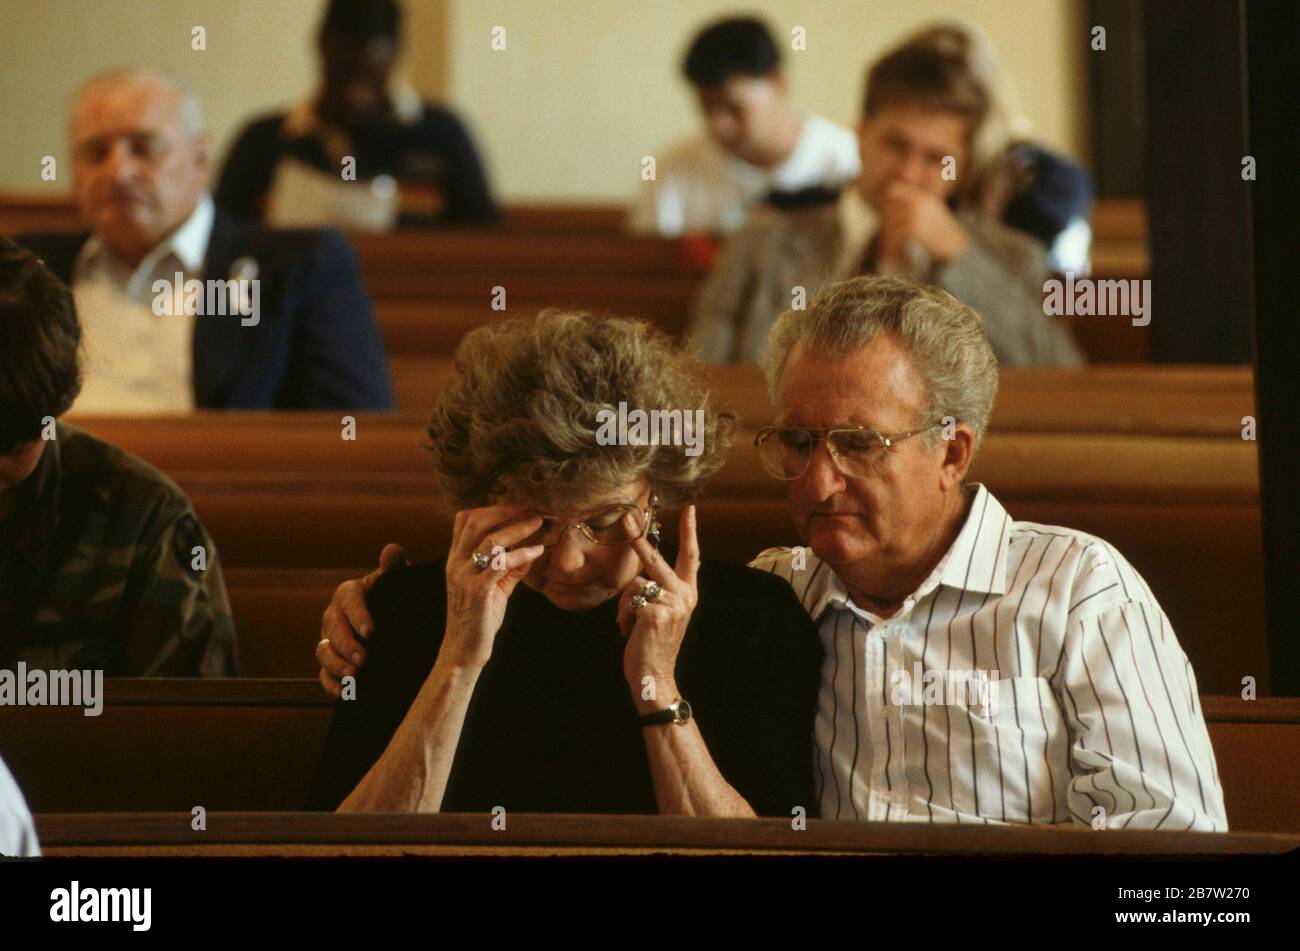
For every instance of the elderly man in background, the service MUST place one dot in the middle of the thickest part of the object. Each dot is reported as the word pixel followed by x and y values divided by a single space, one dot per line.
pixel 282 319
pixel 930 134
pixel 1077 704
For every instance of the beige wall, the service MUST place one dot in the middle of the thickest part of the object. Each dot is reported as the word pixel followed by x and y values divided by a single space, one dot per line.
pixel 583 90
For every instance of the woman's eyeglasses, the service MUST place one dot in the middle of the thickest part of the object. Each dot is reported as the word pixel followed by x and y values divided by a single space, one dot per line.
pixel 606 527
pixel 785 451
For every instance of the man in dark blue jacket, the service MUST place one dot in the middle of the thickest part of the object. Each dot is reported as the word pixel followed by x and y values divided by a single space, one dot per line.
pixel 183 307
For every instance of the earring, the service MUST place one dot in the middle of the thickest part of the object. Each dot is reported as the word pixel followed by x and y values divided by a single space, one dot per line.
pixel 653 534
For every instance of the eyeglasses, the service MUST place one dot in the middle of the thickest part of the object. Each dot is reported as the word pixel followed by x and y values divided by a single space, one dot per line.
pixel 146 146
pixel 785 451
pixel 606 527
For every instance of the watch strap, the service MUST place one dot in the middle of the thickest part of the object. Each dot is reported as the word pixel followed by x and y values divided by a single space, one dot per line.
pixel 679 711
pixel 659 716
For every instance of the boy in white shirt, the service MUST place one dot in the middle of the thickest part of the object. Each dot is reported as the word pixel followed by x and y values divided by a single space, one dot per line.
pixel 756 142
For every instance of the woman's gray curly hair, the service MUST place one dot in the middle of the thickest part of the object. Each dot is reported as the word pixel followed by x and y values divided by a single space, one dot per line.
pixel 520 419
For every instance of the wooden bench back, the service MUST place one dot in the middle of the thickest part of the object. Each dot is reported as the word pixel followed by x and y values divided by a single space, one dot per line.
pixel 168 746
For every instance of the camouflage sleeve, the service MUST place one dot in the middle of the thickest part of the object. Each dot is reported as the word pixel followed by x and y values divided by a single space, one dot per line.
pixel 178 614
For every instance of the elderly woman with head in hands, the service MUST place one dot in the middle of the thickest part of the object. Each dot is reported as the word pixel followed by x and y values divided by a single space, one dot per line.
pixel 557 660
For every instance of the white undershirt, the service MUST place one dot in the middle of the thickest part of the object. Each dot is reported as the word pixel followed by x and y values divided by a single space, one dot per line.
pixel 133 360
pixel 699 188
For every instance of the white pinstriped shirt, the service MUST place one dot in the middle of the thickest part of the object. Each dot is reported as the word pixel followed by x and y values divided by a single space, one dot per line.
pixel 1091 712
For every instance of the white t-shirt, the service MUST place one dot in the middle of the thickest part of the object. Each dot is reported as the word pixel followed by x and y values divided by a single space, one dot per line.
pixel 700 188
pixel 17 834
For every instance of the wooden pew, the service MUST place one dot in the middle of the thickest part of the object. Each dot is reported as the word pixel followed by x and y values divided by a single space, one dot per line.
pixel 512 254
pixel 1187 553
pixel 1112 219
pixel 317 835
pixel 548 218
pixel 278 615
pixel 1184 511
pixel 665 297
pixel 1257 750
pixel 1119 219
pixel 1154 399
pixel 249 745
pixel 171 744
pixel 548 258
pixel 434 328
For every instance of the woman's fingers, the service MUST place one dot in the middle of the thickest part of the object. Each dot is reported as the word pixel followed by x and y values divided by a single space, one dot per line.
pixel 332 661
pixel 510 534
pixel 347 619
pixel 331 685
pixel 654 564
pixel 471 525
pixel 688 555
pixel 392 556
pixel 515 564
pixel 626 613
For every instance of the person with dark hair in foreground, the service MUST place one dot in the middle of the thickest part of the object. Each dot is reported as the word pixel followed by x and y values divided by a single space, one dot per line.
pixel 415 163
pixel 756 142
pixel 614 678
pixel 103 564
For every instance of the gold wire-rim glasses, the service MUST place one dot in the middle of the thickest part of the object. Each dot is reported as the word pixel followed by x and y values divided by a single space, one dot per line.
pixel 775 468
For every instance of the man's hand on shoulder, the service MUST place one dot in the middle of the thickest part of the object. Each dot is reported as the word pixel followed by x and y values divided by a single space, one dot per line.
pixel 347 622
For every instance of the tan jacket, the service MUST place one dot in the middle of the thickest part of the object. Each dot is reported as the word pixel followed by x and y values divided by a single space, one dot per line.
pixel 1000 275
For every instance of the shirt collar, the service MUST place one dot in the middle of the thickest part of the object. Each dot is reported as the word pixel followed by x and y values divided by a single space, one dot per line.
pixel 189 243
pixel 976 561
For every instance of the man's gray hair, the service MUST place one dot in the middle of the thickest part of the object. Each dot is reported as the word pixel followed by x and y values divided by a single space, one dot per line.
pixel 191 107
pixel 945 338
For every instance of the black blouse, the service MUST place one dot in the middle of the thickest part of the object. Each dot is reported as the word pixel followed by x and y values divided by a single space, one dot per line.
pixel 551 726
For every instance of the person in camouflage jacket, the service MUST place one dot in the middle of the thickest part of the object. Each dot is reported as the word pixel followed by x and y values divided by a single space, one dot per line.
pixel 103 563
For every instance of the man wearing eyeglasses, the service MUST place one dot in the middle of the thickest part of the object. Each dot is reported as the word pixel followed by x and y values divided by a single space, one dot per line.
pixel 183 307
pixel 976 668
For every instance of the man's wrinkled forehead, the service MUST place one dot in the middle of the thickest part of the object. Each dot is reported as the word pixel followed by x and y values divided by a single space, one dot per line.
pixel 872 385
pixel 126 108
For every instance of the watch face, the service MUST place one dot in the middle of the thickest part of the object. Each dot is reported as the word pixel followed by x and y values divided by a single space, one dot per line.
pixel 683 711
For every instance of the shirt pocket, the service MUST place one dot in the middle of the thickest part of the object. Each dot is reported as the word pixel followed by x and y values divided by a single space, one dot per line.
pixel 1015 735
